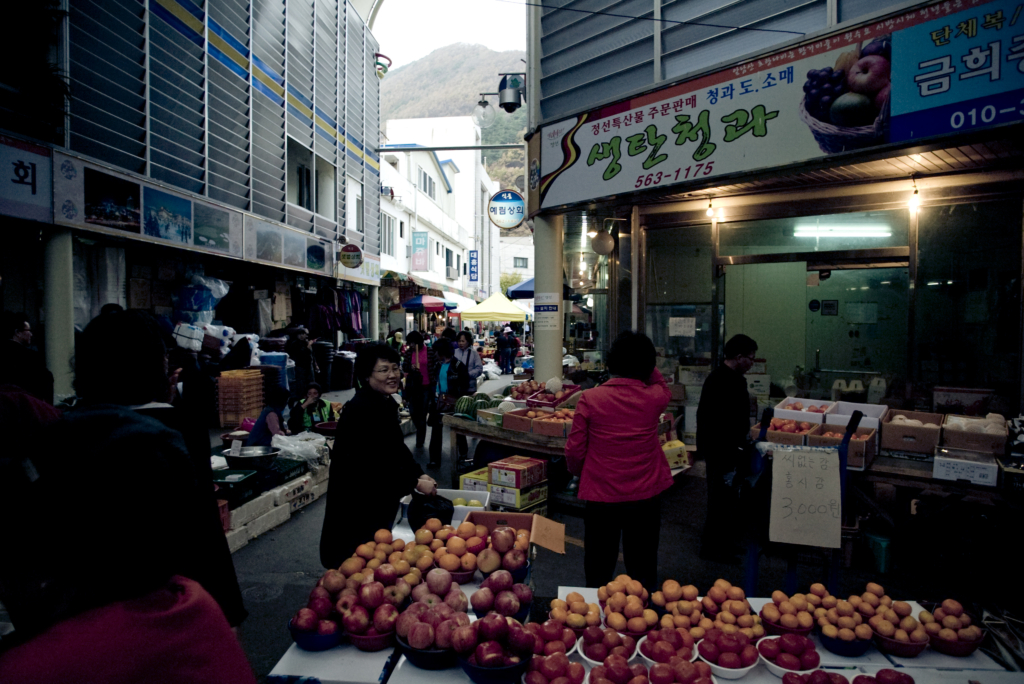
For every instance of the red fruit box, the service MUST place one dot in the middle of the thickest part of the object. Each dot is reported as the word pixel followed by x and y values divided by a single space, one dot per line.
pixel 543 532
pixel 778 436
pixel 518 472
pixel 859 454
pixel 785 409
pixel 551 428
pixel 537 401
pixel 517 420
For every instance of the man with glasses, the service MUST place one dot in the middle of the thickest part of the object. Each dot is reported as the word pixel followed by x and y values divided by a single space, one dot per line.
pixel 723 427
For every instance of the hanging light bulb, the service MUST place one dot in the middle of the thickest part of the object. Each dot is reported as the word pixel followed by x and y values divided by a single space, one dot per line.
pixel 915 199
pixel 483 114
pixel 711 210
pixel 591 233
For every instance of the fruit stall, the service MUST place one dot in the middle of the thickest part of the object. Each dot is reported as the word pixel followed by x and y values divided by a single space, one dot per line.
pixel 463 611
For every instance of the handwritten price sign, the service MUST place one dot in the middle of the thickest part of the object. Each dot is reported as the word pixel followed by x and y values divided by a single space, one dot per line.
pixel 806 498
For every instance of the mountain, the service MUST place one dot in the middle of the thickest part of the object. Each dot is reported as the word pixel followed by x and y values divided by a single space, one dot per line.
pixel 448 82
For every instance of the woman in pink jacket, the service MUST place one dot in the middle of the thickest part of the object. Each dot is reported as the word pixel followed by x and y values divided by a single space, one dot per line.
pixel 614 449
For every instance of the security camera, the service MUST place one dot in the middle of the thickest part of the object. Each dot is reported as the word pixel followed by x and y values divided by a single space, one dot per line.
pixel 510 92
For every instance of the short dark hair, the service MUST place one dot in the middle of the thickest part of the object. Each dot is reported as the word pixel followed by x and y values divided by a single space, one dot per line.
pixel 444 348
pixel 120 358
pixel 110 307
pixel 369 356
pixel 13 324
pixel 277 396
pixel 739 345
pixel 632 356
pixel 316 386
pixel 449 334
pixel 414 338
pixel 468 335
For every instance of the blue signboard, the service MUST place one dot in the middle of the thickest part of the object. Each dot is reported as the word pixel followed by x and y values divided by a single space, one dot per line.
pixel 958 72
pixel 507 209
pixel 474 266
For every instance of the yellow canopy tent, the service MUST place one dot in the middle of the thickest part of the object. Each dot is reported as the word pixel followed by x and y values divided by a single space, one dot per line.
pixel 497 308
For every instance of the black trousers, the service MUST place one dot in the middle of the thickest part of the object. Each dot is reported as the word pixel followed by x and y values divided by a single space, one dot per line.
pixel 437 439
pixel 416 395
pixel 638 524
pixel 723 504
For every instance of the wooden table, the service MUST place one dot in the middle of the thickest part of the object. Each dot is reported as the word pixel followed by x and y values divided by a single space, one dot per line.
pixel 918 475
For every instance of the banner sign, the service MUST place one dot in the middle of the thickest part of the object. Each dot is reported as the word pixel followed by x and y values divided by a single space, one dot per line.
pixel 949 67
pixel 367 272
pixel 419 251
pixel 474 266
pixel 26 191
pixel 507 209
pixel 806 503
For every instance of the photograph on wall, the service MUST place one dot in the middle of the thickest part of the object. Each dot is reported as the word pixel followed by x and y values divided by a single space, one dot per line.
pixel 268 243
pixel 212 228
pixel 167 216
pixel 294 249
pixel 111 202
pixel 316 255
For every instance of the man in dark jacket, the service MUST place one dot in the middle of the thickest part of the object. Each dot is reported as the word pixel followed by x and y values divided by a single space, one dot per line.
pixel 723 426
pixel 299 349
pixel 20 364
pixel 451 382
pixel 501 344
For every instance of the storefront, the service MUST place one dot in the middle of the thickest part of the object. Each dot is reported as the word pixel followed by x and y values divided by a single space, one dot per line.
pixel 889 250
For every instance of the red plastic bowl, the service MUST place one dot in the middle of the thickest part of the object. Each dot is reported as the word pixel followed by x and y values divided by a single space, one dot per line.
pixel 311 641
pixel 957 649
pixel 899 648
pixel 375 642
pixel 773 629
pixel 463 576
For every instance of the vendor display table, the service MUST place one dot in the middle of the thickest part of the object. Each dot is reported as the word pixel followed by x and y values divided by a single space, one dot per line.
pixel 553 446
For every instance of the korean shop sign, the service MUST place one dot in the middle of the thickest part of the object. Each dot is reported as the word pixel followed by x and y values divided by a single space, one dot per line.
pixel 25 182
pixel 507 209
pixel 419 251
pixel 474 266
pixel 881 82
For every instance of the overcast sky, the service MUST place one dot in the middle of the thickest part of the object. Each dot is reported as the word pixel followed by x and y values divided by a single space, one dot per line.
pixel 410 29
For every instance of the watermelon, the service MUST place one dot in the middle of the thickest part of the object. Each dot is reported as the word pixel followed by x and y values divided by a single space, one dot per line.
pixel 466 406
pixel 481 405
pixel 481 396
pixel 495 403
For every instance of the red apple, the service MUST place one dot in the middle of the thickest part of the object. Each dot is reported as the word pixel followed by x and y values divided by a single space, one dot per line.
pixel 461 619
pixel 404 623
pixel 503 539
pixel 386 574
pixel 393 595
pixel 385 617
pixel 730 660
pixel 592 634
pixel 457 601
pixel 869 75
pixel 596 652
pixel 431 600
pixel 325 627
pixel 499 581
pixel 488 560
pixel 493 627
pixel 506 603
pixel 555 666
pixel 513 560
pixel 371 595
pixel 433 617
pixel 748 656
pixel 523 593
pixel 417 609
pixel 444 633
pixel 305 620
pixel 403 586
pixel 357 621
pixel 464 639
pixel 419 591
pixel 576 673
pixel 490 654
pixel 619 673
pixel 788 661
pixel 320 592
pixel 809 659
pixel 421 636
pixel 519 639
pixel 662 674
pixel 321 606
pixel 345 604
pixel 482 600
pixel 440 581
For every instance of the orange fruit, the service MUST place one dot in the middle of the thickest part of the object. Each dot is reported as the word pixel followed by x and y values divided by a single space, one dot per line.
pixel 373 563
pixel 634 588
pixel 457 546
pixel 382 536
pixel 650 617
pixel 735 593
pixel 637 624
pixel 579 607
pixel 443 534
pixel 560 614
pixel 433 524
pixel 617 621
pixel 450 562
pixel 789 621
pixel 425 562
pixel 440 551
pixel 423 536
pixel 466 530
pixel 690 592
pixel 398 544
pixel 717 594
pixel 481 532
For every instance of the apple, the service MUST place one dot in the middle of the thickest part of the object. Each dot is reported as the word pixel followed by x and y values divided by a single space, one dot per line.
pixel 503 539
pixel 851 110
pixel 492 627
pixel 403 586
pixel 439 581
pixel 482 600
pixel 417 609
pixel 506 603
pixel 499 581
pixel 305 620
pixel 535 677
pixel 405 622
pixel 513 560
pixel 393 596
pixel 879 46
pixel 568 638
pixel 367 577
pixel 385 617
pixel 345 604
pixel 444 633
pixel 461 619
pixel 325 627
pixel 386 574
pixel 357 621
pixel 433 617
pixel 596 652
pixel 431 600
pixel 869 75
pixel 490 654
pixel 523 593
pixel 320 592
pixel 421 636
pixel 557 665
pixel 488 560
pixel 333 581
pixel 881 96
pixel 519 639
pixel 371 595
pixel 419 591
pixel 321 606
pixel 464 639
pixel 457 601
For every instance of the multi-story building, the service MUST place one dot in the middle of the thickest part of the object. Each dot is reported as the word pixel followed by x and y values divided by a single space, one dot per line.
pixel 199 134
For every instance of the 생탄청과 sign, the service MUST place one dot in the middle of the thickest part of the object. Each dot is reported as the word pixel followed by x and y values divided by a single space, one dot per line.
pixel 948 67
pixel 507 209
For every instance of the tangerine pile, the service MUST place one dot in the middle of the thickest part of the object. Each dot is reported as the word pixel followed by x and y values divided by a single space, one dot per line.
pixel 452 548
pixel 625 599
pixel 575 612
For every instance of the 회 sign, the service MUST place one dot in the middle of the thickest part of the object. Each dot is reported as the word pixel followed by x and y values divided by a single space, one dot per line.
pixel 26 191
pixel 507 209
pixel 948 67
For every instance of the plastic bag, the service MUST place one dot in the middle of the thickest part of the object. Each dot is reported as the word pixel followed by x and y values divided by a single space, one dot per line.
pixel 423 507
pixel 188 337
pixel 305 446
pixel 217 287
pixel 247 424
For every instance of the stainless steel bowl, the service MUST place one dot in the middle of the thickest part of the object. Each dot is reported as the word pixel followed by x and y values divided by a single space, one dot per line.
pixel 248 457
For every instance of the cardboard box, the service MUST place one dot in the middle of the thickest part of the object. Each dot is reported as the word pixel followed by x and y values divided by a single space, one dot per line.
pixel 490 417
pixel 510 497
pixel 289 490
pixel 543 532
pixel 758 385
pixel 842 412
pixel 859 453
pixel 906 455
pixel 517 471
pixel 961 464
pixel 779 437
pixel 268 521
pixel 678 392
pixel 475 481
pixel 539 508
pixel 237 538
pixel 517 420
pixel 800 415
pixel 972 441
pixel 302 500
pixel 678 455
pixel 551 428
pixel 689 438
pixel 760 367
pixel 692 375
pixel 898 437
pixel 252 510
pixel 692 394
pixel 960 400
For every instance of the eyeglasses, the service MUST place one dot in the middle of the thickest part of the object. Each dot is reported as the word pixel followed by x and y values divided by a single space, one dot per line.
pixel 387 371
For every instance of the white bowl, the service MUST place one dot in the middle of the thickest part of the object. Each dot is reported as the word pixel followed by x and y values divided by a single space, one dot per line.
pixel 578 649
pixel 649 662
pixel 775 669
pixel 725 672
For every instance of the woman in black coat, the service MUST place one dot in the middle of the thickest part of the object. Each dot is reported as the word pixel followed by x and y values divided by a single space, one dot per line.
pixel 450 381
pixel 371 467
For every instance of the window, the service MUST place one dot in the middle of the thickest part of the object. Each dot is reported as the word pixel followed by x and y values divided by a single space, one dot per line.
pixel 458 262
pixel 520 262
pixel 326 189
pixel 448 254
pixel 354 207
pixel 401 230
pixel 427 184
pixel 300 175
pixel 387 235
pixel 432 253
pixel 437 245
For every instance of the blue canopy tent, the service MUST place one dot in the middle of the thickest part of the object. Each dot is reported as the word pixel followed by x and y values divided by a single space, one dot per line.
pixel 524 290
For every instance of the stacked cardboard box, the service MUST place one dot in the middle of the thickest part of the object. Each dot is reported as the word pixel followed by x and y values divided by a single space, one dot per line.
pixel 518 483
